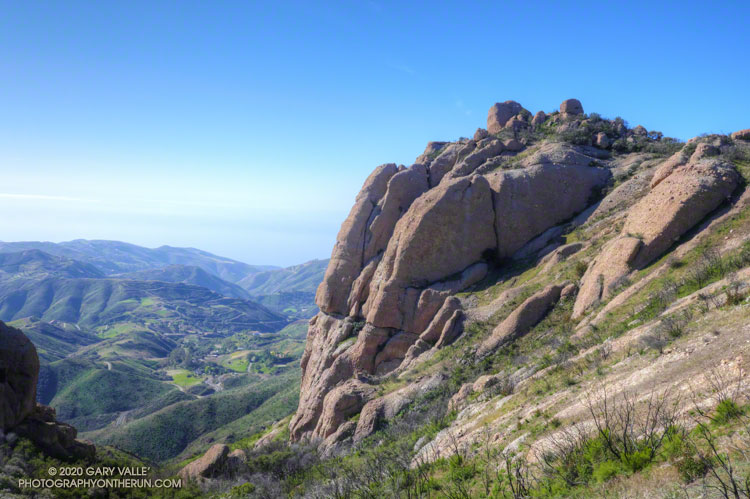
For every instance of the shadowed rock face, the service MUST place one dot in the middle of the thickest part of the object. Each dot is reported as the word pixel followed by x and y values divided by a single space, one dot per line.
pixel 415 237
pixel 19 412
pixel 19 373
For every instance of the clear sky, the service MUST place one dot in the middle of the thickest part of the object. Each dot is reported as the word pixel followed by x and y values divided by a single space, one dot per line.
pixel 247 128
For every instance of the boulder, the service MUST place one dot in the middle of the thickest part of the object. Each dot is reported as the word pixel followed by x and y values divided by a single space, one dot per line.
pixel 512 145
pixel 640 131
pixel 741 135
pixel 429 152
pixel 19 373
pixel 702 151
pixel 485 150
pixel 539 118
pixel 445 162
pixel 435 329
pixel 529 201
pixel 348 252
pixel 516 123
pixel 523 318
pixel 213 464
pixel 480 134
pixel 665 169
pixel 340 404
pixel 500 113
pixel 571 107
pixel 389 406
pixel 602 141
pixel 655 222
pixel 452 329
pixel 54 438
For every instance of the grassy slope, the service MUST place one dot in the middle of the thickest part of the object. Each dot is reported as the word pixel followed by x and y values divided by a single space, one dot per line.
pixel 167 433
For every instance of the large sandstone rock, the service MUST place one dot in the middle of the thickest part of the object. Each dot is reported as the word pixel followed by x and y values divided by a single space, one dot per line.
pixel 340 404
pixel 539 118
pixel 429 152
pixel 523 318
pixel 347 258
pixel 571 107
pixel 403 188
pixel 19 373
pixel 671 208
pixel 446 230
pixel 54 438
pixel 387 407
pixel 528 201
pixel 500 114
pixel 322 369
pixel 742 135
pixel 213 464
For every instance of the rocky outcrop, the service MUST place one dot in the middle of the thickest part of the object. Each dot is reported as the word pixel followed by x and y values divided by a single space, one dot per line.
pixel 500 114
pixel 572 107
pixel 417 236
pixel 213 464
pixel 523 318
pixel 742 135
pixel 19 373
pixel 674 205
pixel 19 412
pixel 348 253
pixel 54 438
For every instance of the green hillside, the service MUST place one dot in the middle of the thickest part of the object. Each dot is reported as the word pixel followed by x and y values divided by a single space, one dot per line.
pixel 165 434
pixel 111 306
pixel 304 277
pixel 189 274
pixel 57 340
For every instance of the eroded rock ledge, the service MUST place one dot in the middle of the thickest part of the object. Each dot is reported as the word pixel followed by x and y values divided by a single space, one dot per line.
pixel 416 236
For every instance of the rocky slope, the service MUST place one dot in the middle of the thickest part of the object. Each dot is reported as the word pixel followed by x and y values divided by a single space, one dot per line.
pixel 462 218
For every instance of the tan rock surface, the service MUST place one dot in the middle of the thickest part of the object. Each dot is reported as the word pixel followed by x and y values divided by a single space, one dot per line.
pixel 500 113
pixel 211 465
pixel 348 252
pixel 523 318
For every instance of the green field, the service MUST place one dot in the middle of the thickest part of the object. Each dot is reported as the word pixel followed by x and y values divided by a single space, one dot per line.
pixel 184 378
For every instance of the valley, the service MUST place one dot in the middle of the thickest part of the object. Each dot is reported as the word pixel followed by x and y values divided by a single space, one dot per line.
pixel 133 357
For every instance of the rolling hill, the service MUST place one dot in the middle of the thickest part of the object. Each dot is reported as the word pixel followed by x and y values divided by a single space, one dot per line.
pixel 304 277
pixel 115 257
pixel 103 304
pixel 189 274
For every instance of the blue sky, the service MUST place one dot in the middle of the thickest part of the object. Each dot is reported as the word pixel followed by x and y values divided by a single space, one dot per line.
pixel 246 128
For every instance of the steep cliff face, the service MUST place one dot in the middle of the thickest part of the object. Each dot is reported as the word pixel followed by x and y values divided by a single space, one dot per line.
pixel 418 235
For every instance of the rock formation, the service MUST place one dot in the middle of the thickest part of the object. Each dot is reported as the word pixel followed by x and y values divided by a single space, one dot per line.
pixel 415 237
pixel 523 318
pixel 217 462
pixel 681 195
pixel 19 412
pixel 19 373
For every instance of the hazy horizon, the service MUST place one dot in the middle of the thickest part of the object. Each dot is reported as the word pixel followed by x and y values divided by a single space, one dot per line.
pixel 246 130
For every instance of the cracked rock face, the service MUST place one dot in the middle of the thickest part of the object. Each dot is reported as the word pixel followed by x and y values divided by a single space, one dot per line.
pixel 415 237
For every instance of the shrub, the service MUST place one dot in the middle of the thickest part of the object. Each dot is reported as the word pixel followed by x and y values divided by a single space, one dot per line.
pixel 726 410
pixel 606 470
